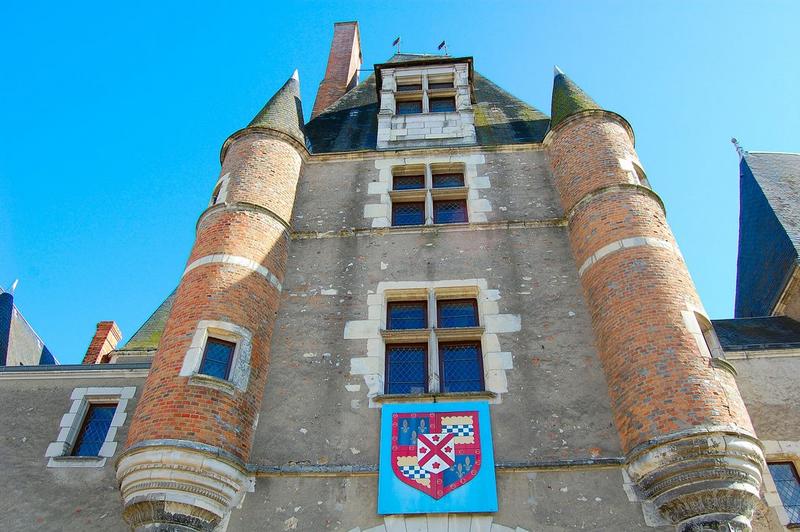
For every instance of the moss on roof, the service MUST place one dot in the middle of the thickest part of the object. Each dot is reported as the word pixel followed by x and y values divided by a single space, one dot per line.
pixel 149 334
pixel 568 99
pixel 284 111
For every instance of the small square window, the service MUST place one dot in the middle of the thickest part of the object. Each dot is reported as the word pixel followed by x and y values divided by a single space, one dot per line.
pixel 788 484
pixel 442 105
pixel 217 358
pixel 461 367
pixel 408 182
pixel 457 313
pixel 440 85
pixel 94 429
pixel 409 213
pixel 449 211
pixel 407 315
pixel 406 368
pixel 408 87
pixel 409 107
pixel 448 180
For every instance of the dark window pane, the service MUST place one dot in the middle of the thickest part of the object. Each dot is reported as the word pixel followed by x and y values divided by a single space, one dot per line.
pixel 408 213
pixel 458 313
pixel 408 182
pixel 409 87
pixel 217 358
pixel 449 211
pixel 94 430
pixel 788 484
pixel 461 367
pixel 448 180
pixel 409 108
pixel 406 368
pixel 407 315
pixel 442 105
pixel 444 85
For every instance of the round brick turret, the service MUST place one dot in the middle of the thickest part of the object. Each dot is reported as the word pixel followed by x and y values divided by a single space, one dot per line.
pixel 184 467
pixel 689 443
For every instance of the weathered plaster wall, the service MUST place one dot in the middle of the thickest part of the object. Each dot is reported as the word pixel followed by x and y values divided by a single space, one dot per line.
pixel 769 389
pixel 331 195
pixel 541 501
pixel 37 497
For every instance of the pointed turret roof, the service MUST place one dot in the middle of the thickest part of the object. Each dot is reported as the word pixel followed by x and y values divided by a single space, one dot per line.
pixel 568 99
pixel 283 111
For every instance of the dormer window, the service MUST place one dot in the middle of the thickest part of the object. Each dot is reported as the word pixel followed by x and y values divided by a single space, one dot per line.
pixel 425 102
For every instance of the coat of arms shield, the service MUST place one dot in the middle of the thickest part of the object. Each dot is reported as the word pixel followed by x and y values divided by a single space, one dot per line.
pixel 436 449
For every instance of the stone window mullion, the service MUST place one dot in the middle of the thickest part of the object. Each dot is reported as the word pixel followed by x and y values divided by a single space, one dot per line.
pixel 434 379
pixel 428 196
pixel 425 103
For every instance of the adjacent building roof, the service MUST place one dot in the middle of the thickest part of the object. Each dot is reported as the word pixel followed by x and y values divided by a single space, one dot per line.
pixel 769 230
pixel 19 343
pixel 752 334
pixel 351 124
pixel 568 99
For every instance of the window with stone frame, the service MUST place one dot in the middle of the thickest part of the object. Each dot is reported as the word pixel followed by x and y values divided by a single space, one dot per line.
pixel 219 357
pixel 787 482
pixel 437 332
pixel 87 434
pixel 429 194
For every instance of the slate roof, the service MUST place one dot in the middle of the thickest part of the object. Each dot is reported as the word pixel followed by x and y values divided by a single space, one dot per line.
pixel 752 334
pixel 149 334
pixel 769 230
pixel 351 123
pixel 284 111
pixel 19 343
pixel 568 99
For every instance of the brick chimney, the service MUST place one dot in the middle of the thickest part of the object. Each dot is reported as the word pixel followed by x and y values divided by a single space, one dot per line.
pixel 104 341
pixel 343 64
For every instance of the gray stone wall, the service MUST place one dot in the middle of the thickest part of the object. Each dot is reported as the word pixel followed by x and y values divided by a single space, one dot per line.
pixel 541 501
pixel 37 497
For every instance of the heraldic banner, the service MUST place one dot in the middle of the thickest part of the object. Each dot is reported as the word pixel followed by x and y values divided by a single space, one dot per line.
pixel 436 458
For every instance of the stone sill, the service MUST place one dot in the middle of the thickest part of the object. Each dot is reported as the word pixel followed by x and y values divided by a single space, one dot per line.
pixel 422 335
pixel 76 461
pixel 207 381
pixel 459 333
pixel 434 397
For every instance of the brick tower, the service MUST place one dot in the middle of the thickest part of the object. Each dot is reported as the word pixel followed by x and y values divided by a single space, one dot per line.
pixel 184 463
pixel 689 444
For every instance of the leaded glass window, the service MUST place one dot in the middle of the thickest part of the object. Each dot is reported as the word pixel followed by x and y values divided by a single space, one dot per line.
pixel 409 213
pixel 442 105
pixel 406 368
pixel 457 313
pixel 408 182
pixel 409 107
pixel 217 358
pixel 448 180
pixel 461 367
pixel 788 484
pixel 449 211
pixel 94 429
pixel 407 315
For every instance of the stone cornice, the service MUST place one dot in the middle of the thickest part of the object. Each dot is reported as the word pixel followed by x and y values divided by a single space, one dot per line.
pixel 548 138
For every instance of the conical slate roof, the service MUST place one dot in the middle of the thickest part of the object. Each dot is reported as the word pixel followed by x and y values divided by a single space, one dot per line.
pixel 284 111
pixel 568 99
pixel 149 334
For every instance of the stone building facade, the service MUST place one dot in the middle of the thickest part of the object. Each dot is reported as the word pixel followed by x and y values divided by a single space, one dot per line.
pixel 536 265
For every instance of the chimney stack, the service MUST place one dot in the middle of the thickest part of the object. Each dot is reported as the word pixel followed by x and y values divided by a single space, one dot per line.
pixel 104 341
pixel 344 61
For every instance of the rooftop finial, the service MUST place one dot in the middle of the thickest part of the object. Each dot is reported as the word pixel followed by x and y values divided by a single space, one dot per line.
pixel 14 286
pixel 739 148
pixel 557 71
pixel 296 75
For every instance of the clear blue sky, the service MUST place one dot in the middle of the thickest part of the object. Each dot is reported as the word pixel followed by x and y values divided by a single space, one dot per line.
pixel 113 114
